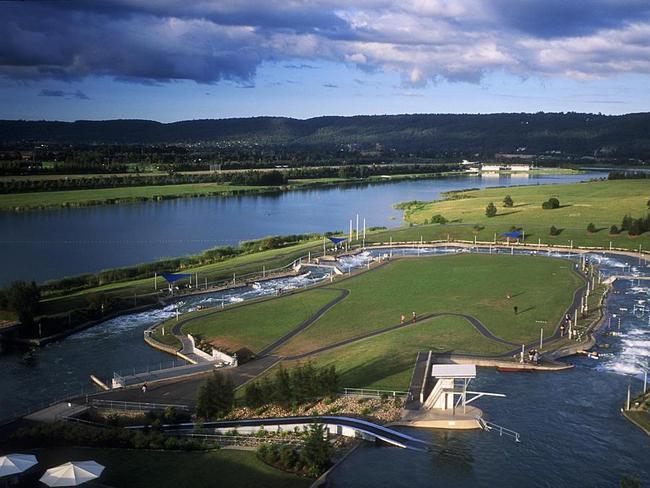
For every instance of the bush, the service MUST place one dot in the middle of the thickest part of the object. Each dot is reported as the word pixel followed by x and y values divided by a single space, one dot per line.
pixel 438 219
pixel 547 205
pixel 614 230
pixel 591 228
pixel 507 202
pixel 551 203
pixel 288 456
pixel 490 210
pixel 316 454
pixel 22 298
pixel 554 231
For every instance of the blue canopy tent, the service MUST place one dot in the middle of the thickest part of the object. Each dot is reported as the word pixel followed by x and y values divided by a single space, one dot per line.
pixel 172 277
pixel 515 234
pixel 337 240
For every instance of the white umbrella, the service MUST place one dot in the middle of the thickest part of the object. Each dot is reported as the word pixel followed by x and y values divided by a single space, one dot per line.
pixel 72 473
pixel 16 463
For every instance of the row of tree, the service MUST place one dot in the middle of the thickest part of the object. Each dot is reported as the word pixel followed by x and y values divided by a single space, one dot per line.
pixel 286 388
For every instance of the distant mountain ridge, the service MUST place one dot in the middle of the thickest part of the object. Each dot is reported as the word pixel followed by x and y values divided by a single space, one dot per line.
pixel 623 135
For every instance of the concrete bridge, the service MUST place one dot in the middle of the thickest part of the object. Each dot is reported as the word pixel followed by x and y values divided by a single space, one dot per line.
pixel 346 426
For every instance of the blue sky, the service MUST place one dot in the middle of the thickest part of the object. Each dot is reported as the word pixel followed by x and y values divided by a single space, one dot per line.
pixel 167 61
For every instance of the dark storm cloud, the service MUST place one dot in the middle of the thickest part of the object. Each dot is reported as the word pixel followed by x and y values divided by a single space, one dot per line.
pixel 559 18
pixel 60 93
pixel 155 42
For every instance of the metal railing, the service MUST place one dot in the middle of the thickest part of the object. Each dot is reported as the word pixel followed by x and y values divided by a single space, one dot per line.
pixel 139 406
pixel 492 427
pixel 365 392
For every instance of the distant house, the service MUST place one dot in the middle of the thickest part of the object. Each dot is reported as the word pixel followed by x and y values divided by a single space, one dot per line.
pixel 492 167
pixel 520 167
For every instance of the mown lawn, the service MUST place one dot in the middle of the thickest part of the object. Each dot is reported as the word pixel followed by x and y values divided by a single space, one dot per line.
pixel 603 203
pixel 256 325
pixel 542 288
pixel 174 469
pixel 386 361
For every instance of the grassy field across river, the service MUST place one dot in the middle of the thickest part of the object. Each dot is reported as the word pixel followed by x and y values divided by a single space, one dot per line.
pixel 603 203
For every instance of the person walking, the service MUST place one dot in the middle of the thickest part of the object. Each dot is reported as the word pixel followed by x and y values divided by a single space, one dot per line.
pixel 415 317
pixel 516 309
pixel 144 388
pixel 402 319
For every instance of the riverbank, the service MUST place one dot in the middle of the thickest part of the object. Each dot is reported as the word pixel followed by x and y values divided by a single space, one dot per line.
pixel 19 202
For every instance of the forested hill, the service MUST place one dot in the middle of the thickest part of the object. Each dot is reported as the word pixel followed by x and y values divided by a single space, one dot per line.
pixel 574 133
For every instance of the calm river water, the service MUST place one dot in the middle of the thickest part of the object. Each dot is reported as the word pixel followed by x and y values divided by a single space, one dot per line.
pixel 41 245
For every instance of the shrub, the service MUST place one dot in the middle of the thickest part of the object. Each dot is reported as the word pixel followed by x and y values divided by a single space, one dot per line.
pixel 551 203
pixel 490 210
pixel 438 219
pixel 316 453
pixel 288 456
pixel 591 228
pixel 614 230
pixel 507 202
pixel 554 231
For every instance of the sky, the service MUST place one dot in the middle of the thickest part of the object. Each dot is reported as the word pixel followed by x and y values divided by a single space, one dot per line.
pixel 173 60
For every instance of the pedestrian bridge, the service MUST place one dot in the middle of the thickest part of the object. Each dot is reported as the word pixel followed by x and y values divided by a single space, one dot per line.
pixel 346 426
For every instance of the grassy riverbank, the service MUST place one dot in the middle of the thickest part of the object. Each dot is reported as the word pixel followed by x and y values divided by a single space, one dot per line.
pixel 603 203
pixel 174 469
pixel 134 194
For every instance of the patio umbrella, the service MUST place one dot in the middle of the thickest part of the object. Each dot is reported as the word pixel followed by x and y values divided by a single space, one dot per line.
pixel 72 473
pixel 16 463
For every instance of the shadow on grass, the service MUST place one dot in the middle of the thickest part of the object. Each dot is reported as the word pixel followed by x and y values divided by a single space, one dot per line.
pixel 503 214
pixel 372 371
pixel 526 310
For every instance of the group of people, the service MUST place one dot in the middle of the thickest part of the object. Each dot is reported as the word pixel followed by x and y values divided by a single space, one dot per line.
pixel 565 327
pixel 533 356
pixel 414 318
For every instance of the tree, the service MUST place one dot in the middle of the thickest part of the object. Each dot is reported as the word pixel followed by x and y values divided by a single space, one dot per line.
pixel 490 210
pixel 23 298
pixel 591 228
pixel 551 203
pixel 216 397
pixel 507 202
pixel 316 453
pixel 554 231
pixel 613 230
pixel 630 482
pixel 253 395
pixel 283 393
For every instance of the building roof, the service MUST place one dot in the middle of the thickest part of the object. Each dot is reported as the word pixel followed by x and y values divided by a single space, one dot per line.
pixel 454 371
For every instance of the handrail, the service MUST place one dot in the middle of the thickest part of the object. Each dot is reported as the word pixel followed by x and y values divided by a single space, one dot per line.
pixel 123 405
pixel 375 393
pixel 491 426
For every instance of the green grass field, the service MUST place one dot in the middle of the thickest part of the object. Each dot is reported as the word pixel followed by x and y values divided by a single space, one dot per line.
pixel 603 203
pixel 97 196
pixel 256 325
pixel 175 469
pixel 542 289
pixel 386 361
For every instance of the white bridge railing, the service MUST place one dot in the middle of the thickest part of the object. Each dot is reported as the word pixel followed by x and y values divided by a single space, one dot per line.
pixel 365 392
pixel 492 427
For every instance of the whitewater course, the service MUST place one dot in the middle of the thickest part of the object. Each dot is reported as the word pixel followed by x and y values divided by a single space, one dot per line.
pixel 572 431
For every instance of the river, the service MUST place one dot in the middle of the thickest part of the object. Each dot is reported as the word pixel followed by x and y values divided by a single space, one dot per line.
pixel 46 244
